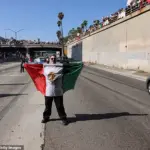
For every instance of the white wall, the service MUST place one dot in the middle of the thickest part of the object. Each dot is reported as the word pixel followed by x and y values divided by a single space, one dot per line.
pixel 126 44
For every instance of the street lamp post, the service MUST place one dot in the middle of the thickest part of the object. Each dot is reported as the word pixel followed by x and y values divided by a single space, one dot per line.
pixel 16 32
pixel 60 17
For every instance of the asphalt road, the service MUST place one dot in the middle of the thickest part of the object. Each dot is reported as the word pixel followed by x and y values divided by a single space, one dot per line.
pixel 21 107
pixel 12 84
pixel 106 112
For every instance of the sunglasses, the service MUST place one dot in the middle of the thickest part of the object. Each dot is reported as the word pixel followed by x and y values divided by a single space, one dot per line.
pixel 52 58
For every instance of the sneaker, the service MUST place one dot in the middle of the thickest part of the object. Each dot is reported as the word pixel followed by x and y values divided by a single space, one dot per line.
pixel 65 122
pixel 45 120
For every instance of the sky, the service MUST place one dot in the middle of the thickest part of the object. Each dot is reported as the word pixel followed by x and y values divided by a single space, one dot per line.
pixel 39 19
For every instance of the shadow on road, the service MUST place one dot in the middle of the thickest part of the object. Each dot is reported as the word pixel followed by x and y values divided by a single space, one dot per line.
pixel 87 117
pixel 14 84
pixel 7 95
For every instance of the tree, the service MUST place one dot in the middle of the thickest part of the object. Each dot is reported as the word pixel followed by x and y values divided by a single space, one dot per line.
pixel 58 34
pixel 72 33
pixel 79 30
pixel 66 39
pixel 82 27
pixel 59 23
pixel 96 22
pixel 61 16
pixel 38 40
pixel 91 26
pixel 85 22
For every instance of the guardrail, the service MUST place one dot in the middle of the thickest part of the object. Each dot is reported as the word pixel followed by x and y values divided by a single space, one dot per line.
pixel 138 6
pixel 31 45
pixel 128 11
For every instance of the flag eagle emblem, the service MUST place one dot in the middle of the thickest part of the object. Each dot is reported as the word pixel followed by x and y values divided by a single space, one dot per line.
pixel 51 76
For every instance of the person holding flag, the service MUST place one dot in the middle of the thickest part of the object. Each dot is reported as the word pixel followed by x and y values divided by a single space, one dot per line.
pixel 54 90
pixel 53 80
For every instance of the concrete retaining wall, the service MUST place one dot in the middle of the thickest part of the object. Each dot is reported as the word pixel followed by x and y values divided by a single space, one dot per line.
pixel 125 43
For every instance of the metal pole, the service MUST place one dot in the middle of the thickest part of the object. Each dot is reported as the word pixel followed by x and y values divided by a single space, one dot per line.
pixel 16 36
pixel 62 40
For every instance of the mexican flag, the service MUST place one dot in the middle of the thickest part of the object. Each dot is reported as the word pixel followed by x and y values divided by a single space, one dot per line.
pixel 70 73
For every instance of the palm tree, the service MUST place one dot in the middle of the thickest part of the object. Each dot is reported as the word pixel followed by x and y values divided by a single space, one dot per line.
pixel 61 16
pixel 59 23
pixel 96 22
pixel 71 32
pixel 75 31
pixel 66 39
pixel 58 34
pixel 85 22
pixel 79 30
pixel 90 26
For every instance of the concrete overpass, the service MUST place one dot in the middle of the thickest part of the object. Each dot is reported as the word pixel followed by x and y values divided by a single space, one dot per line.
pixel 31 45
pixel 32 49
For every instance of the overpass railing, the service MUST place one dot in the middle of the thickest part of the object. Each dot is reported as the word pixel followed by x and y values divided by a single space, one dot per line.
pixel 30 45
pixel 122 13
pixel 131 9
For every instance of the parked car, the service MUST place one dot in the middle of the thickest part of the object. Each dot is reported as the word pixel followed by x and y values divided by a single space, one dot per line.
pixel 65 59
pixel 148 84
pixel 39 60
pixel 62 59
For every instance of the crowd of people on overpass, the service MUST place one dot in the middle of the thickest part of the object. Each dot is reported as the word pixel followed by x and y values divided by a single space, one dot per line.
pixel 13 41
pixel 132 6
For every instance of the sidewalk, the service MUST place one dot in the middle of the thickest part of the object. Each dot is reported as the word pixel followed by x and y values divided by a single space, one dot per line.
pixel 139 75
pixel 8 65
pixel 22 125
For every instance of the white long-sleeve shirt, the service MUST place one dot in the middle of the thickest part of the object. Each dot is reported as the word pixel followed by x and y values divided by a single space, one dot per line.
pixel 53 88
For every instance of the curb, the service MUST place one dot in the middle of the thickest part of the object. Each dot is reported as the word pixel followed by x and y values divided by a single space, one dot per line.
pixel 119 73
